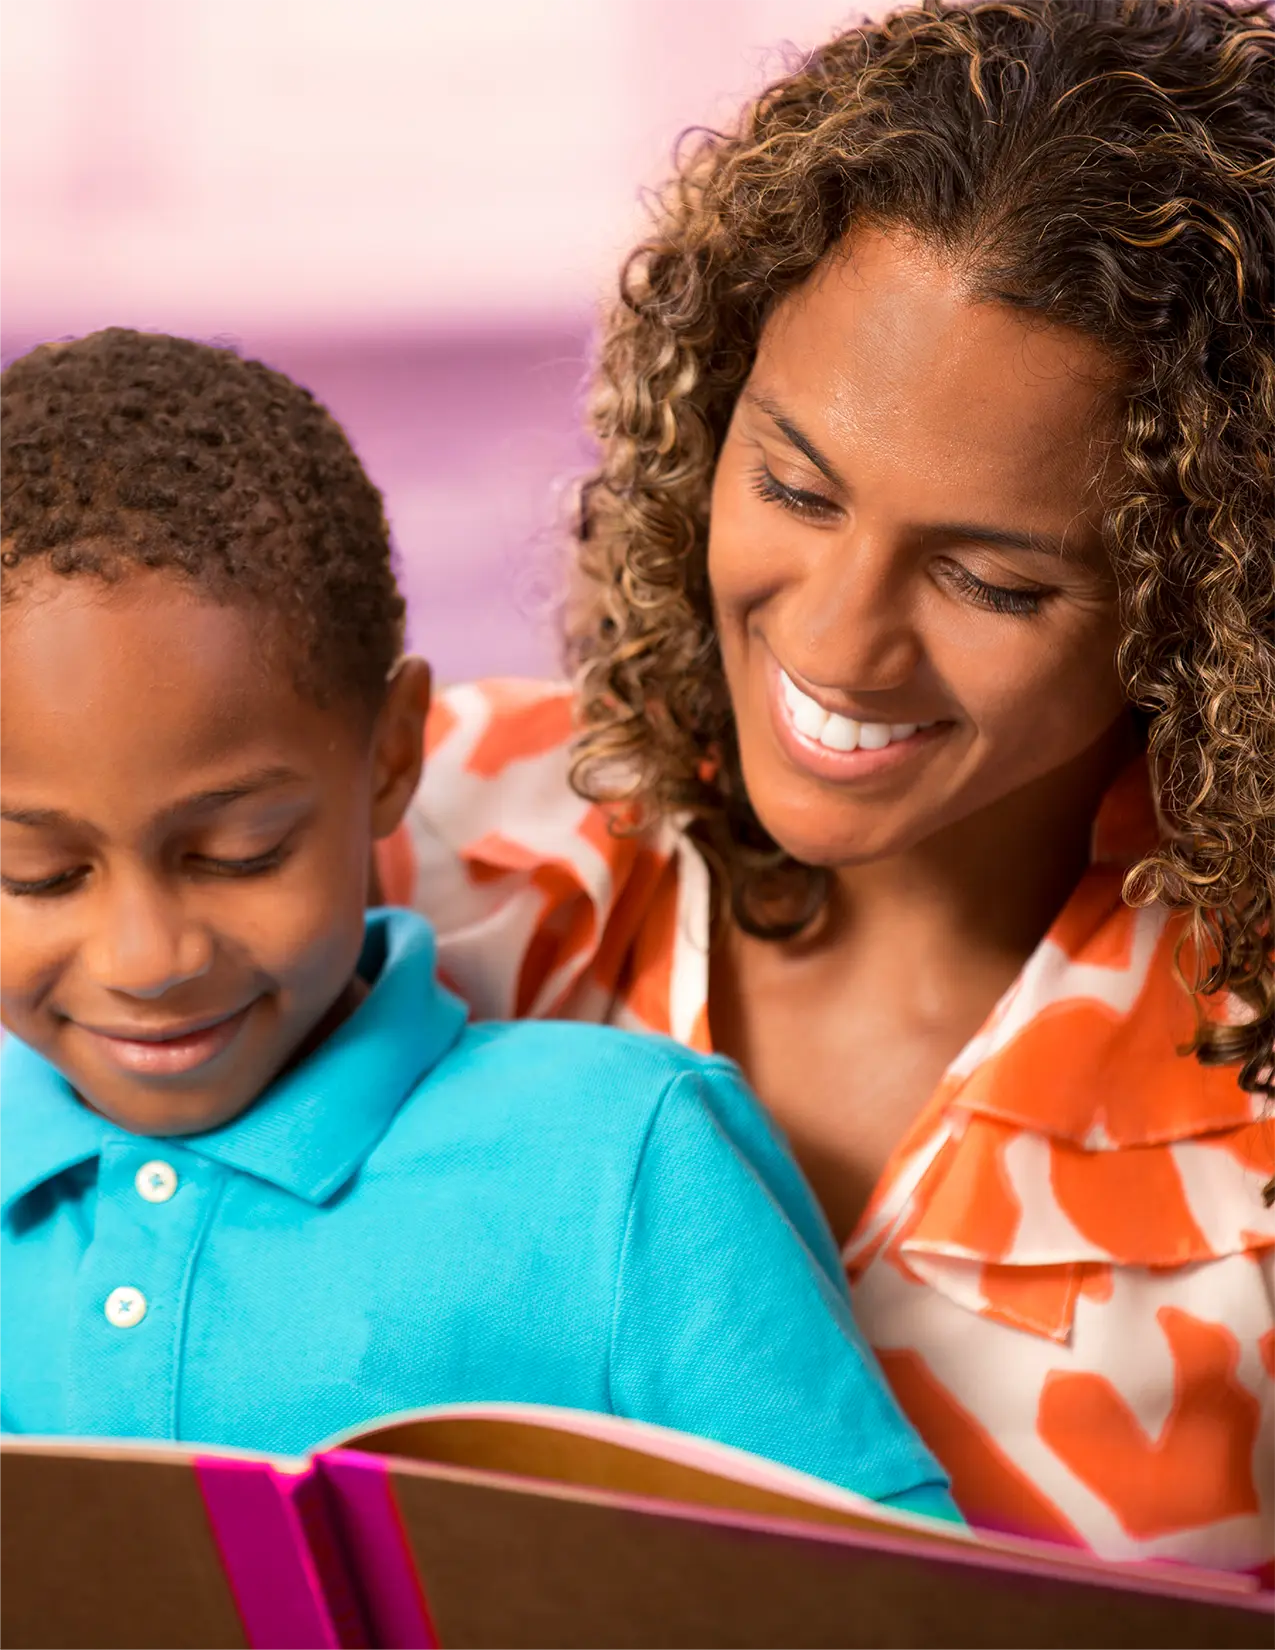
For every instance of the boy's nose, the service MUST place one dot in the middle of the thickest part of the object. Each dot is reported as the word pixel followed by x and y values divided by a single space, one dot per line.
pixel 147 945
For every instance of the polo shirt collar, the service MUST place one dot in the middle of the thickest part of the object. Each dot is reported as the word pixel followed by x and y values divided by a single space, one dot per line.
pixel 311 1129
pixel 45 1128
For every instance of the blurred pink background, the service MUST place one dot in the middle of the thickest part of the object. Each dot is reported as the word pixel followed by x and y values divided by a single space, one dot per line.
pixel 412 206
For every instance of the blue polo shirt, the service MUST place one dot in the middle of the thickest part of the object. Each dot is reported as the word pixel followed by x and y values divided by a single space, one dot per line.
pixel 428 1212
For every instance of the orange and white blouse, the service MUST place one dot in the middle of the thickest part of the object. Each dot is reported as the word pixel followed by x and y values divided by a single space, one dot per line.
pixel 1066 1270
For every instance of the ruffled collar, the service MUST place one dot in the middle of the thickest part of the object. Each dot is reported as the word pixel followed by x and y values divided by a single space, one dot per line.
pixel 1071 1134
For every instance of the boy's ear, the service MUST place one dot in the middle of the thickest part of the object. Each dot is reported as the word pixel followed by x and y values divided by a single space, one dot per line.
pixel 398 752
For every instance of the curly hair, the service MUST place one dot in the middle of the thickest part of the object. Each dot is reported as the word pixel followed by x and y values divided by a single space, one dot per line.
pixel 129 447
pixel 1104 163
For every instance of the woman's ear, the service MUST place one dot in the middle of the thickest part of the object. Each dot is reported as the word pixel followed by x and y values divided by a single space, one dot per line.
pixel 398 747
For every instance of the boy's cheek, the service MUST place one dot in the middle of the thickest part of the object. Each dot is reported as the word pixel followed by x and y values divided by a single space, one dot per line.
pixel 295 935
pixel 302 923
pixel 29 970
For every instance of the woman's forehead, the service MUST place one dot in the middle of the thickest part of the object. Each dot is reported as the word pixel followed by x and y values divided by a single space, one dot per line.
pixel 886 350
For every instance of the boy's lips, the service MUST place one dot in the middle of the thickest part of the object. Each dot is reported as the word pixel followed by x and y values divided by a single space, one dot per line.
pixel 159 1052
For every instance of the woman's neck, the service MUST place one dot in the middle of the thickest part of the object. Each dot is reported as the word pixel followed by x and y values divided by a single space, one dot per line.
pixel 911 955
pixel 996 879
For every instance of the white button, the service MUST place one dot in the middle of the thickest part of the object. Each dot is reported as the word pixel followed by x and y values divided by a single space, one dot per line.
pixel 156 1181
pixel 125 1306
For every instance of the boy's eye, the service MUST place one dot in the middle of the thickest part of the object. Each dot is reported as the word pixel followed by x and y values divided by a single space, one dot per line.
pixel 66 882
pixel 257 865
pixel 63 882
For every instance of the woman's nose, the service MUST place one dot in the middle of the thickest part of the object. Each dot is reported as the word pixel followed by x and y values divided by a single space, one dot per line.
pixel 144 944
pixel 852 622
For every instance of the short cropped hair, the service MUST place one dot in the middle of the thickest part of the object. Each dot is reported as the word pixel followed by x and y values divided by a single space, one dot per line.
pixel 139 448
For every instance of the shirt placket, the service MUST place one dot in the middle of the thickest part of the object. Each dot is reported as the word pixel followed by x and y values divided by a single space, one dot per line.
pixel 128 1316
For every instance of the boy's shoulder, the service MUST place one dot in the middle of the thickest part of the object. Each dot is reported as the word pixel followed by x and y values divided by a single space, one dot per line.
pixel 587 1113
pixel 570 1058
pixel 595 1082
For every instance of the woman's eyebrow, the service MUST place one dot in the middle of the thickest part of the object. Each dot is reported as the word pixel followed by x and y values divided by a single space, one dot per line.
pixel 997 538
pixel 795 436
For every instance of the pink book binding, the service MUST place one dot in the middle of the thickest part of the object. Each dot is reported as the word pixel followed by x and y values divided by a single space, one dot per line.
pixel 285 1566
pixel 371 1528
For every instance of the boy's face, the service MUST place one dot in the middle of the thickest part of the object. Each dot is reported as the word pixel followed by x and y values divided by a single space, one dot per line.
pixel 184 845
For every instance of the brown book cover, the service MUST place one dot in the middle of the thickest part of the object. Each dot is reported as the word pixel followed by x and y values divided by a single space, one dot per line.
pixel 532 1528
pixel 507 1525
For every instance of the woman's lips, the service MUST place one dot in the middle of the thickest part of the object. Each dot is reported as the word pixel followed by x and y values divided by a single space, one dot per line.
pixel 803 728
pixel 157 1055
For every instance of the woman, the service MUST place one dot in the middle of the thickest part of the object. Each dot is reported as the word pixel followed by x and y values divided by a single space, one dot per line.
pixel 921 747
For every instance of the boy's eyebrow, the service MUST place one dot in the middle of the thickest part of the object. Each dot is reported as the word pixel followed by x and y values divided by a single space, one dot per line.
pixel 247 784
pixel 220 796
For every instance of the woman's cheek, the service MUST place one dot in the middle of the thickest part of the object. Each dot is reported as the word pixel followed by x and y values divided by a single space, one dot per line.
pixel 1046 696
pixel 750 548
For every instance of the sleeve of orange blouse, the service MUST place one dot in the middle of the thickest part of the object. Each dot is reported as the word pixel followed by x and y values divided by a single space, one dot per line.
pixel 524 882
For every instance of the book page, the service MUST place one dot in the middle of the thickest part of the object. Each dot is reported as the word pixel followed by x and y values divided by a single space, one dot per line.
pixel 606 1452
pixel 112 1548
pixel 580 1449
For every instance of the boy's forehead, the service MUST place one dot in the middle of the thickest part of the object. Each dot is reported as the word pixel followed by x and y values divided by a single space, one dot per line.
pixel 144 678
pixel 94 645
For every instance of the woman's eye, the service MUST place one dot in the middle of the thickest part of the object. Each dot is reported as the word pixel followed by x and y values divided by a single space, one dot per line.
pixel 64 882
pixel 1023 603
pixel 257 865
pixel 796 500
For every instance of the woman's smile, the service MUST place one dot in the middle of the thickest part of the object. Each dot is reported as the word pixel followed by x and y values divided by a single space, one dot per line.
pixel 838 747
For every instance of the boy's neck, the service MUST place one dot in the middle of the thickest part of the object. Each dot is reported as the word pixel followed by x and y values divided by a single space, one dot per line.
pixel 341 1010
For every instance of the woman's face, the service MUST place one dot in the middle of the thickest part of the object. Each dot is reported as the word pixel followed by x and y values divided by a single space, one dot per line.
pixel 916 614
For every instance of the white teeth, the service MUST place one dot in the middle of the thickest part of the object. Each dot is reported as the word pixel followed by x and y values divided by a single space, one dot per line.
pixel 808 717
pixel 874 736
pixel 840 733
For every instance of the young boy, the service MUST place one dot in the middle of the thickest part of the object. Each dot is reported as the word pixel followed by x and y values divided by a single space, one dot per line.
pixel 261 1180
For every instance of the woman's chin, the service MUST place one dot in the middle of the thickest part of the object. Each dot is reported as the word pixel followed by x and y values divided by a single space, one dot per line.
pixel 840 830
pixel 836 844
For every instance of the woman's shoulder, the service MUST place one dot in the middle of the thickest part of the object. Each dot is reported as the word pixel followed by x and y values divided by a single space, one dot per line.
pixel 535 892
pixel 492 727
pixel 496 782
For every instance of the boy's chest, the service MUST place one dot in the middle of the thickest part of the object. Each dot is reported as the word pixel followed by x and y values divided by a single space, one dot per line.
pixel 194 1303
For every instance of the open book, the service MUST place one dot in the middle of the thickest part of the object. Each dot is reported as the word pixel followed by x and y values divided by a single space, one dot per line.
pixel 511 1525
